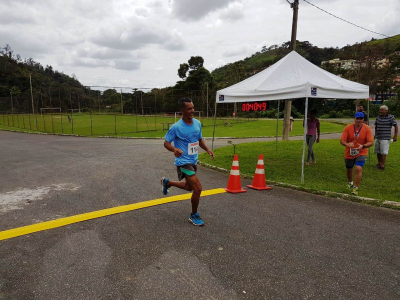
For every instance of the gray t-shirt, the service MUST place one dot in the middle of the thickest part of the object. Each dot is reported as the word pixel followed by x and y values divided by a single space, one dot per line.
pixel 383 127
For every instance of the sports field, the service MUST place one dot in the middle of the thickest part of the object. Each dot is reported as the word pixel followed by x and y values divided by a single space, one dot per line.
pixel 328 174
pixel 147 126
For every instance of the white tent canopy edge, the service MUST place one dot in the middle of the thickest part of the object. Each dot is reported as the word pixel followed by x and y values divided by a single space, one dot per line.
pixel 291 77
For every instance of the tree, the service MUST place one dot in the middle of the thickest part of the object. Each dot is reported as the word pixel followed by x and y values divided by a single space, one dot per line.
pixel 14 91
pixel 182 71
pixel 198 78
pixel 195 62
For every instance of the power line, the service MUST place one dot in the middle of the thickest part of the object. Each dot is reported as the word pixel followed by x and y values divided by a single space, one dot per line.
pixel 345 20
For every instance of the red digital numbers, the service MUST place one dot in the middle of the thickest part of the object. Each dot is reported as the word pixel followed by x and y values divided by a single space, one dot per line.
pixel 254 106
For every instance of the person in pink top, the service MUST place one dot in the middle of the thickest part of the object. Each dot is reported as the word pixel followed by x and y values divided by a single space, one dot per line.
pixel 311 136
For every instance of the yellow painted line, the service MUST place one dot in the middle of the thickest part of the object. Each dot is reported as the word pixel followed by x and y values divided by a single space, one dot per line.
pixel 11 233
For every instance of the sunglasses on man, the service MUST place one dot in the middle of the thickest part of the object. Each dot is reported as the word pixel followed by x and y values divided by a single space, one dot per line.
pixel 359 118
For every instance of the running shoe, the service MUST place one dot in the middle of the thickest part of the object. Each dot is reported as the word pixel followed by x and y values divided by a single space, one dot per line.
pixel 355 191
pixel 196 220
pixel 165 188
pixel 350 186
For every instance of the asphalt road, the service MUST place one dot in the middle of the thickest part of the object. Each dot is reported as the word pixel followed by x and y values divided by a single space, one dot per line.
pixel 277 244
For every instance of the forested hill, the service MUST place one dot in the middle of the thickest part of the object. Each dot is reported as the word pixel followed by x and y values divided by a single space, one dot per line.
pixel 366 53
pixel 15 71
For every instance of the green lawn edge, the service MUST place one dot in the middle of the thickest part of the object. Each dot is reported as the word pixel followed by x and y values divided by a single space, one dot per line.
pixel 326 178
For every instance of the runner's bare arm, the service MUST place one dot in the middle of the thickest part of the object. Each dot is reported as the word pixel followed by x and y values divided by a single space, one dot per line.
pixel 177 152
pixel 203 146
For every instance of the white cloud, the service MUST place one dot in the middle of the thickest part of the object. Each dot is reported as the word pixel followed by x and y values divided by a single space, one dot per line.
pixel 234 12
pixel 136 34
pixel 193 10
pixel 142 12
pixel 126 65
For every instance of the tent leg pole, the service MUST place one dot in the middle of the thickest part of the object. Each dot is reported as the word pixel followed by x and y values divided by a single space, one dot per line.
pixel 304 141
pixel 277 124
pixel 215 116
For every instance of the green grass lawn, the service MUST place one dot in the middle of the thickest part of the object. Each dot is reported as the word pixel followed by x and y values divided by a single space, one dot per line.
pixel 147 126
pixel 329 174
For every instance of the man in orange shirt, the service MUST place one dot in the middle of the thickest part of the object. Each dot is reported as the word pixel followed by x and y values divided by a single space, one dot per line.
pixel 356 137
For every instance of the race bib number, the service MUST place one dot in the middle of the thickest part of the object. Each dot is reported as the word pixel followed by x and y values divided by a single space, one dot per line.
pixel 193 148
pixel 354 152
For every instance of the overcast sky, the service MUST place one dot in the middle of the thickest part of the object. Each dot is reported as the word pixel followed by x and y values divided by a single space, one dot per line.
pixel 141 43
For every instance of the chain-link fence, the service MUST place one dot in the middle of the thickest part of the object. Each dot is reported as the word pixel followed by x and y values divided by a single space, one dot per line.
pixel 88 112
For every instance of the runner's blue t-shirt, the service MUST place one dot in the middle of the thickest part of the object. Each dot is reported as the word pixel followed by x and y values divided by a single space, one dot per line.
pixel 185 137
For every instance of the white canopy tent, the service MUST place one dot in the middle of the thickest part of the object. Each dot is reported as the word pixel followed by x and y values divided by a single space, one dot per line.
pixel 292 77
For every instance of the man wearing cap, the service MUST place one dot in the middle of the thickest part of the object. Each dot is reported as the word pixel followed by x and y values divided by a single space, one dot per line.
pixel 356 137
pixel 383 134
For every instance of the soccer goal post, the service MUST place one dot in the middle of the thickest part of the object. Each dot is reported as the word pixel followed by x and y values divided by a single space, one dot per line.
pixel 197 115
pixel 74 109
pixel 44 110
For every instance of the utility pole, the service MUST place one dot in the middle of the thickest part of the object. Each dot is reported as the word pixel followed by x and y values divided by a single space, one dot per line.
pixel 288 103
pixel 141 101
pixel 30 81
pixel 122 107
pixel 12 105
pixel 207 100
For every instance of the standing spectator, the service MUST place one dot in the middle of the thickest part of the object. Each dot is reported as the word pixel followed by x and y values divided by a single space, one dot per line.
pixel 361 109
pixel 311 136
pixel 291 123
pixel 383 134
pixel 356 137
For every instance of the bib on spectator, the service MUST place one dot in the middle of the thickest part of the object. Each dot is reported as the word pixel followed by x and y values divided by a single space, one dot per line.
pixel 193 148
pixel 354 152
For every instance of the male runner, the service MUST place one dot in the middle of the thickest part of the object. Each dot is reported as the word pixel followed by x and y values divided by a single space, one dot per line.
pixel 187 137
pixel 356 137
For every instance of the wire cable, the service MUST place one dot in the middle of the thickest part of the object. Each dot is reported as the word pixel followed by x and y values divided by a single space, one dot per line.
pixel 345 20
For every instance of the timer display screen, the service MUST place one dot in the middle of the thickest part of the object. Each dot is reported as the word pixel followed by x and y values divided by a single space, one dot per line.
pixel 254 106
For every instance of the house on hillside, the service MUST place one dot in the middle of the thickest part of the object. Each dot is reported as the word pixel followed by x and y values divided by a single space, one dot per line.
pixel 379 64
pixel 342 64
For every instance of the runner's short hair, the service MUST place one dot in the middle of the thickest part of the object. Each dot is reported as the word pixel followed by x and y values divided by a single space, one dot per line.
pixel 313 111
pixel 183 100
pixel 384 107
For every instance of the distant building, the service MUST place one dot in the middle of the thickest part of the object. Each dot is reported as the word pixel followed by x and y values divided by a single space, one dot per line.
pixel 351 64
pixel 379 64
pixel 342 64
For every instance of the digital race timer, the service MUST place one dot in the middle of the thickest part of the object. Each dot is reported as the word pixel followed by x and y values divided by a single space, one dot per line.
pixel 254 106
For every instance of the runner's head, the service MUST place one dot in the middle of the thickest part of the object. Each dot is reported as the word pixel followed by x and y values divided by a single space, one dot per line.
pixel 359 118
pixel 187 108
pixel 361 108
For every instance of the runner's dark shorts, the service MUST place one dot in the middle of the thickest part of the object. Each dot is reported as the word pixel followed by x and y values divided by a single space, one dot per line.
pixel 186 170
pixel 358 161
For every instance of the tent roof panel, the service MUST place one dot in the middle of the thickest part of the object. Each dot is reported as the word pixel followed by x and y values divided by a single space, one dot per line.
pixel 292 77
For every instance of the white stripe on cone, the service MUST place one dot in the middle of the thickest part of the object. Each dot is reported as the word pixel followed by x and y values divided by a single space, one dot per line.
pixel 235 172
pixel 260 171
pixel 260 162
pixel 235 163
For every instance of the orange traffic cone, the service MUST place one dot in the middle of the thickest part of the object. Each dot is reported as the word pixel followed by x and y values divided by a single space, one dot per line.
pixel 259 176
pixel 234 185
